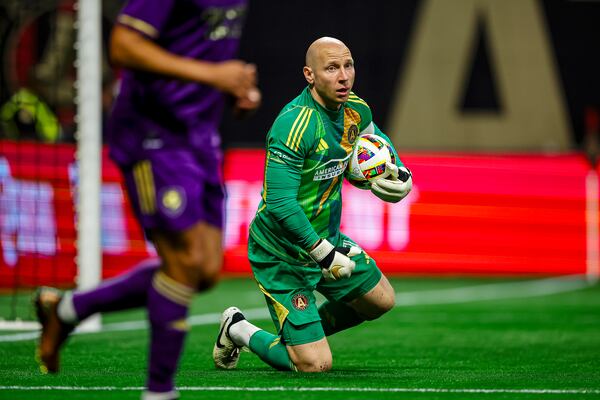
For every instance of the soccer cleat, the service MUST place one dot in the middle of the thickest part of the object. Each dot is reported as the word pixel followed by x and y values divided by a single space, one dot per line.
pixel 54 331
pixel 226 353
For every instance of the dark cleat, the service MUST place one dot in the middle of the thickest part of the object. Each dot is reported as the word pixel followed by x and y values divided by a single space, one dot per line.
pixel 54 331
pixel 226 353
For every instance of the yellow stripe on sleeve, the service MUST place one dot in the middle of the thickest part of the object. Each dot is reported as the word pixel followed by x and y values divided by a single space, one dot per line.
pixel 296 143
pixel 298 118
pixel 138 25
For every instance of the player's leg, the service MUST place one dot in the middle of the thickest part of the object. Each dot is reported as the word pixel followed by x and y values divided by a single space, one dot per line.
pixel 375 302
pixel 288 289
pixel 192 257
pixel 189 263
pixel 365 296
pixel 298 348
pixel 339 315
pixel 311 357
pixel 120 293
pixel 190 205
pixel 59 313
pixel 301 348
pixel 236 332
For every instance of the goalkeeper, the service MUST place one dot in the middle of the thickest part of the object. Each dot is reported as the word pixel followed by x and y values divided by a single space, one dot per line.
pixel 295 245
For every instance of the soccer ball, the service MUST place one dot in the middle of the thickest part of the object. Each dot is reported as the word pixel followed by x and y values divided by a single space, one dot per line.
pixel 367 162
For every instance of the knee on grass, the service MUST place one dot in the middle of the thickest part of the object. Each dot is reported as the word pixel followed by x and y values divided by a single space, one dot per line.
pixel 319 360
pixel 317 365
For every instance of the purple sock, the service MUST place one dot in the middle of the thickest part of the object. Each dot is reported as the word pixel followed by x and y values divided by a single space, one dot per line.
pixel 168 303
pixel 126 291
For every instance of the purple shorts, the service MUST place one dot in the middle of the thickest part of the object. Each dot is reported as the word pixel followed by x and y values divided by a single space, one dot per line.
pixel 172 189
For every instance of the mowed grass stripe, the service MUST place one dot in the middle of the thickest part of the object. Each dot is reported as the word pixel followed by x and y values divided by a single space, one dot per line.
pixel 516 347
pixel 485 292
pixel 494 291
pixel 305 389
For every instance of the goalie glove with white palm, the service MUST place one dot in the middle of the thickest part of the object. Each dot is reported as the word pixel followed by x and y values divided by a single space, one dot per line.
pixel 395 187
pixel 335 262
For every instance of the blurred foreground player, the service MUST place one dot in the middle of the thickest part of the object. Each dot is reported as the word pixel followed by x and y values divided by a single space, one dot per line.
pixel 178 66
pixel 295 245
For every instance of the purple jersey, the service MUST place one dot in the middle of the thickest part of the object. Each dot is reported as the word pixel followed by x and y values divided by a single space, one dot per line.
pixel 154 111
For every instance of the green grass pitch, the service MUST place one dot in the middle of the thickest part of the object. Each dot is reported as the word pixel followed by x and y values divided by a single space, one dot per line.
pixel 446 339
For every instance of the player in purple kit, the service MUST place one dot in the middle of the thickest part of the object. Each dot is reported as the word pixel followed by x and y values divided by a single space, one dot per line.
pixel 178 60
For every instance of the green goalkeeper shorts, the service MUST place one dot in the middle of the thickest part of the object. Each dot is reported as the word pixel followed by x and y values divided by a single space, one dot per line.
pixel 289 290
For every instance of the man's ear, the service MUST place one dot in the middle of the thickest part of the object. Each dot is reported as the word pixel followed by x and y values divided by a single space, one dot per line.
pixel 308 75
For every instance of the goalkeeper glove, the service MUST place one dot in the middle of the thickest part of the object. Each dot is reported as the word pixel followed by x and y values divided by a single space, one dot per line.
pixel 335 262
pixel 395 187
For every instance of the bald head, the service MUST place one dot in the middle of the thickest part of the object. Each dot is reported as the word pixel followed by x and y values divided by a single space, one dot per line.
pixel 329 71
pixel 319 46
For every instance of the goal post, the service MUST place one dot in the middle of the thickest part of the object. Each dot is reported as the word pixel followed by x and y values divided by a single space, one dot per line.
pixel 89 147
pixel 50 189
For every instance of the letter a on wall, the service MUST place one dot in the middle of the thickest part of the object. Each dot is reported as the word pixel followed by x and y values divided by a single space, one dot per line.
pixel 427 113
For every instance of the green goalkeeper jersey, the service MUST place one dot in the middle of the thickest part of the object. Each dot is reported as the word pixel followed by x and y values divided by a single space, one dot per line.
pixel 308 149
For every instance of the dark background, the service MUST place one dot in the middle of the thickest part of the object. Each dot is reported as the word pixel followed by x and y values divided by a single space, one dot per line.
pixel 378 33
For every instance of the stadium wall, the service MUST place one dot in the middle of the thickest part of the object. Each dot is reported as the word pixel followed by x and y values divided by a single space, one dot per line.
pixel 468 214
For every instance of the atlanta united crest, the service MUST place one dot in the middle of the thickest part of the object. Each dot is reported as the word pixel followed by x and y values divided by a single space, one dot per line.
pixel 352 133
pixel 300 302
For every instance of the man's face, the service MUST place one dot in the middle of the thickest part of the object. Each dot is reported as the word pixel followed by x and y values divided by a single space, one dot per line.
pixel 332 75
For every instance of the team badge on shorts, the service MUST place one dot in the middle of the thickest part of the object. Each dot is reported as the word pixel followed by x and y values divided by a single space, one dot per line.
pixel 352 133
pixel 173 201
pixel 300 302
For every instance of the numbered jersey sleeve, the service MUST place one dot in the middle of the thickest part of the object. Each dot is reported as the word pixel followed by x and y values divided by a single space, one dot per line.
pixel 148 17
pixel 290 140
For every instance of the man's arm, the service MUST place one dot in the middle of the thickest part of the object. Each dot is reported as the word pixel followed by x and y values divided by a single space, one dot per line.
pixel 282 182
pixel 283 171
pixel 281 199
pixel 133 50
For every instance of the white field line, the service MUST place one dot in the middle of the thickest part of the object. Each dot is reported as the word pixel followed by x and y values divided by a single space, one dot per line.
pixel 304 389
pixel 494 291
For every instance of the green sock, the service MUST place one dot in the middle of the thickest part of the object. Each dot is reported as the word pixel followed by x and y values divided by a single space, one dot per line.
pixel 270 349
pixel 336 316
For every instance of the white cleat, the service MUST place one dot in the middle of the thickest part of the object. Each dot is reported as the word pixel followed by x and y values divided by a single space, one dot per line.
pixel 226 353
